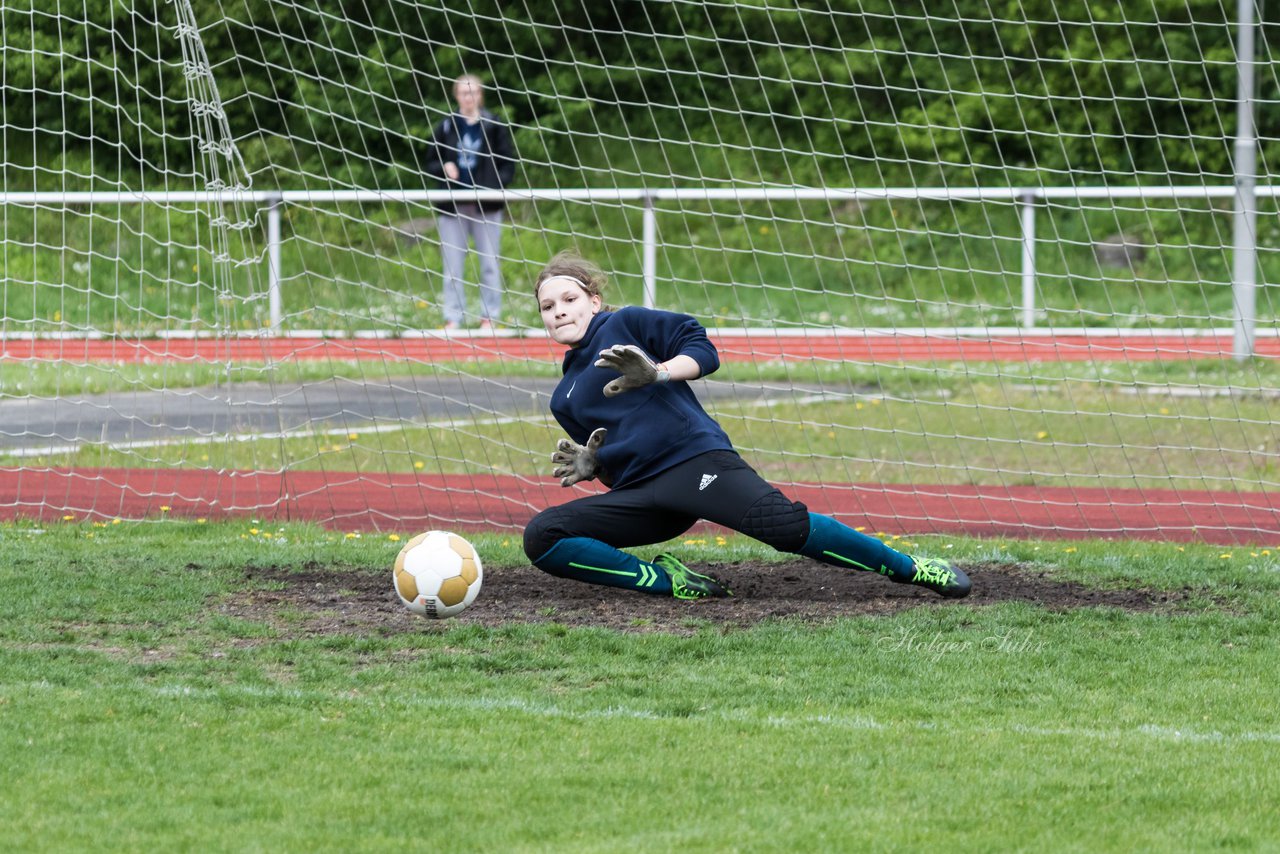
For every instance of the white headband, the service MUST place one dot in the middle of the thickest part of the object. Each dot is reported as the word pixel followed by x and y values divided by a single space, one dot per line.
pixel 573 279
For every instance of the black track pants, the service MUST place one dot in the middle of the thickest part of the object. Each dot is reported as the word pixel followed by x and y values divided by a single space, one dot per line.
pixel 718 486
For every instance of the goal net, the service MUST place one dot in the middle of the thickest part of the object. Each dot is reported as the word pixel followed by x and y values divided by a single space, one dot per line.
pixel 970 271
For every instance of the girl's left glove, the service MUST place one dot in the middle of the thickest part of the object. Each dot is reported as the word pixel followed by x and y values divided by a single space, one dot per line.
pixel 637 369
pixel 576 462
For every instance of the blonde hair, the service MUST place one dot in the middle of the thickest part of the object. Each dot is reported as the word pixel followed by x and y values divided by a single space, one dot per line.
pixel 570 265
pixel 476 83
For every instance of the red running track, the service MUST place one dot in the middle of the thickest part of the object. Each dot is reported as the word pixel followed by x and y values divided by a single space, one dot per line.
pixel 758 346
pixel 352 501
pixel 408 503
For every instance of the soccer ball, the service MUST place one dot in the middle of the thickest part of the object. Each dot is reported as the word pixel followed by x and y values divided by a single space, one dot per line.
pixel 437 574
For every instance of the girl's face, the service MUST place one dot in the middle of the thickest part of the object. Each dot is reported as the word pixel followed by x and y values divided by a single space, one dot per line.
pixel 566 309
pixel 469 97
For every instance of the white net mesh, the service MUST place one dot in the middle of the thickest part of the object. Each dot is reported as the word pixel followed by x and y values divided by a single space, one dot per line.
pixel 966 272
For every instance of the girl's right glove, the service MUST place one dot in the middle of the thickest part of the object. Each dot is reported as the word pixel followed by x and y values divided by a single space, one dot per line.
pixel 637 369
pixel 576 462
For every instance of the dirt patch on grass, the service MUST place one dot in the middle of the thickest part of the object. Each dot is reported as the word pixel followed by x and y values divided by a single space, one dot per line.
pixel 326 600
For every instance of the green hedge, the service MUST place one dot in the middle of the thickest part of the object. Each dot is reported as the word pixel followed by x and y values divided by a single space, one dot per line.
pixel 847 92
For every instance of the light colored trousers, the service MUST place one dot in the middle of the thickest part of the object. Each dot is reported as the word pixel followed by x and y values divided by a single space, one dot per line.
pixel 485 229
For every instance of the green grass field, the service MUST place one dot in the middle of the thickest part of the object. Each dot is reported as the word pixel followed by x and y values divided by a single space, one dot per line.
pixel 137 714
pixel 137 269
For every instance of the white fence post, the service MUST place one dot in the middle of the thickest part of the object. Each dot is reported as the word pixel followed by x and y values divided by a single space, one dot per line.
pixel 650 253
pixel 274 203
pixel 1028 210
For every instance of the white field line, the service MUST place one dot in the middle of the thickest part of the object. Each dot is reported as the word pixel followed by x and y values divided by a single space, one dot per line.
pixel 1187 391
pixel 855 723
pixel 450 423
pixel 1160 390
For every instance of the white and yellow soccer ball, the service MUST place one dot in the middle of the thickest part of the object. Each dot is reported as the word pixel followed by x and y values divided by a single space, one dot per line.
pixel 437 574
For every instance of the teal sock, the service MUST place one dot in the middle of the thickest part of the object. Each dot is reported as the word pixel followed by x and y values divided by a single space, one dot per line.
pixel 585 559
pixel 839 545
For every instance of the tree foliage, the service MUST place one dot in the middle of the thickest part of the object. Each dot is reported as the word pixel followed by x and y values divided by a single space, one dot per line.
pixel 845 92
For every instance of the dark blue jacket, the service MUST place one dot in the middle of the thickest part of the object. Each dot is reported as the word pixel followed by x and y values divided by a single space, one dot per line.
pixel 497 163
pixel 653 428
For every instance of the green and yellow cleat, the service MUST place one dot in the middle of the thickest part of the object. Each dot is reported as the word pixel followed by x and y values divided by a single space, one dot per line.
pixel 687 584
pixel 941 577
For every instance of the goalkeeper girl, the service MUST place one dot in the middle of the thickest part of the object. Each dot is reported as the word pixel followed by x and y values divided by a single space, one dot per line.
pixel 634 423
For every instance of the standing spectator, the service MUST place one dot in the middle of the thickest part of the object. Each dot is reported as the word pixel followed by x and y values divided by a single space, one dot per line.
pixel 472 150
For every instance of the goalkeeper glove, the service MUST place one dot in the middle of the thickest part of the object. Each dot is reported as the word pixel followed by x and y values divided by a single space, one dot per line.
pixel 637 369
pixel 576 462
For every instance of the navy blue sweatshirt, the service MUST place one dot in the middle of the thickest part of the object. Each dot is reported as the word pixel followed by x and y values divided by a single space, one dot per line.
pixel 653 428
pixel 495 165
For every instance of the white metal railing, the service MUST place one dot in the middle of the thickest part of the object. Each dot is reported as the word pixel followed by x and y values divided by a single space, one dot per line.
pixel 1027 198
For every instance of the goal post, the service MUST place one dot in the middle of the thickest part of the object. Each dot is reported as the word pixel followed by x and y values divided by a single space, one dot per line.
pixel 974 271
